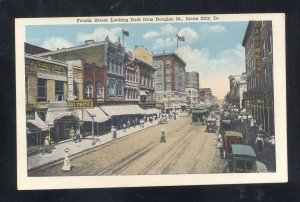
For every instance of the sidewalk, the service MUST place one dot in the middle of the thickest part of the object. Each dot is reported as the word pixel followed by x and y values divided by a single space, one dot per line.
pixel 39 160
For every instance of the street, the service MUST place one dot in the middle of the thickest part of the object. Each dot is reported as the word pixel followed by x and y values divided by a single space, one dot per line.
pixel 188 150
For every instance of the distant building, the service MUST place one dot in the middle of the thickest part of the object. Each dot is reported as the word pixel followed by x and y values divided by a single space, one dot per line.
pixel 32 49
pixel 259 99
pixel 170 80
pixel 131 79
pixel 192 88
pixel 238 87
pixel 192 78
pixel 205 95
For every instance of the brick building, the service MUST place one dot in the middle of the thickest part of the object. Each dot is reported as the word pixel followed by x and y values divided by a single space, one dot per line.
pixel 170 80
pixel 259 98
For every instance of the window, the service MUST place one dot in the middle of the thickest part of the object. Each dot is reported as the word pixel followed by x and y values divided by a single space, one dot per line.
pixel 75 89
pixel 119 88
pixel 99 89
pixel 111 87
pixel 264 50
pixel 59 90
pixel 89 91
pixel 120 68
pixel 265 76
pixel 42 90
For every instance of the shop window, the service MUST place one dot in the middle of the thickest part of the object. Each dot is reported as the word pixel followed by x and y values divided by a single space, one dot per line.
pixel 111 87
pixel 119 88
pixel 89 91
pixel 42 90
pixel 59 90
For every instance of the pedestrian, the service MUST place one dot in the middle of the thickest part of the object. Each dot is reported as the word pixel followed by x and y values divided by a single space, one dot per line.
pixel 134 122
pixel 162 136
pixel 220 147
pixel 128 124
pixel 46 146
pixel 124 128
pixel 114 132
pixel 72 134
pixel 77 136
pixel 259 142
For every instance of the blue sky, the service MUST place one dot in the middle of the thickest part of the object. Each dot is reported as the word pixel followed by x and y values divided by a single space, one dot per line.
pixel 212 49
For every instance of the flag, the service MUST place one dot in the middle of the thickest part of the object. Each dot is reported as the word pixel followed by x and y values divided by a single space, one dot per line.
pixel 180 38
pixel 125 33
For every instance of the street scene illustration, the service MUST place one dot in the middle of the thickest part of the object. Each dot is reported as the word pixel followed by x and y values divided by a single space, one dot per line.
pixel 149 98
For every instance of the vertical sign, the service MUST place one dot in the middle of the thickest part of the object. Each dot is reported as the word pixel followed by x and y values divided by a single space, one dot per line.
pixel 257 32
pixel 70 81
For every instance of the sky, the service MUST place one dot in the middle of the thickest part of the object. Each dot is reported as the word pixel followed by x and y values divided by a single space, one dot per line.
pixel 212 49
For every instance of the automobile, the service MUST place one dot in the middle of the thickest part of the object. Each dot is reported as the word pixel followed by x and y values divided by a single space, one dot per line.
pixel 228 125
pixel 230 138
pixel 162 120
pixel 243 159
pixel 211 125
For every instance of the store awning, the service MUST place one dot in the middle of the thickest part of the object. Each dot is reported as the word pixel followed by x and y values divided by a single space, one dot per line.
pixel 37 122
pixel 152 111
pixel 117 110
pixel 100 116
pixel 55 115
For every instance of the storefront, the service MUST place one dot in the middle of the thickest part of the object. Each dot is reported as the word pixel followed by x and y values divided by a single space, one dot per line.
pixel 121 114
pixel 102 123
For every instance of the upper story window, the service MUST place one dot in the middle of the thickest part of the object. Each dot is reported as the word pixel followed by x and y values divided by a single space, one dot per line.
pixel 99 89
pixel 111 87
pixel 42 90
pixel 88 90
pixel 119 88
pixel 59 90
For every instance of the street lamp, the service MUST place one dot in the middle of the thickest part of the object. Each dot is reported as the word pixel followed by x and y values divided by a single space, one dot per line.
pixel 246 119
pixel 93 140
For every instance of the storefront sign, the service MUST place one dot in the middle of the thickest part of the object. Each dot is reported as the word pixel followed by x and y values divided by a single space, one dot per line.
pixel 80 104
pixel 144 55
pixel 257 39
pixel 70 81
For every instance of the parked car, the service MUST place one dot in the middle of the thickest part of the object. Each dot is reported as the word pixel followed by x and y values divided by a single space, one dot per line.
pixel 230 138
pixel 243 159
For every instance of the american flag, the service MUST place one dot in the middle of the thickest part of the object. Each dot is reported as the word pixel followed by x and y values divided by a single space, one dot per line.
pixel 180 38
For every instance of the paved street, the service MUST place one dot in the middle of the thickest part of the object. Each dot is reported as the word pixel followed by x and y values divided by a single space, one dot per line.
pixel 188 150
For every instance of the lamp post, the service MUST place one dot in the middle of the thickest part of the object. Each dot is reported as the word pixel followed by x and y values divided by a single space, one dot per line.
pixel 93 140
pixel 246 119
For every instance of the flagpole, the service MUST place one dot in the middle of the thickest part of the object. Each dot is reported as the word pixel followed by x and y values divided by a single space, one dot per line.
pixel 177 45
pixel 123 37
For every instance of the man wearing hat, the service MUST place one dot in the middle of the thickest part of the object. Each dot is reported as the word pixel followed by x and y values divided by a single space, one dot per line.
pixel 259 141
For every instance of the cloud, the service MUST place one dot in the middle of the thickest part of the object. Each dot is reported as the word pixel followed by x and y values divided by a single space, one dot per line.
pixel 99 34
pixel 188 33
pixel 214 72
pixel 56 42
pixel 212 28
pixel 150 34
pixel 168 29
pixel 164 42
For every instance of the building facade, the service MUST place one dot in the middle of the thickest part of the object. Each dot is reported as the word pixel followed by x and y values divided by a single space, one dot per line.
pixel 170 80
pixel 131 79
pixel 238 87
pixel 192 88
pixel 205 95
pixel 259 99
pixel 48 89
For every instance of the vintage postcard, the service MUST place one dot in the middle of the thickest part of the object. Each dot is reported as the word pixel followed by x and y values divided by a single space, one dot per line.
pixel 151 101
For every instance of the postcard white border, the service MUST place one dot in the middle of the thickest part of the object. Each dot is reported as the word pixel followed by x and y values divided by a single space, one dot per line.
pixel 279 64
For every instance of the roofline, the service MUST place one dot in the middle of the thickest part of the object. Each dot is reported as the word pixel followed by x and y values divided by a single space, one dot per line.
pixel 247 33
pixel 62 50
pixel 168 54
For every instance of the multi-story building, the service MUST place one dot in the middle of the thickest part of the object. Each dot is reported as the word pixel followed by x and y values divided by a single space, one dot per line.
pixel 258 43
pixel 192 87
pixel 146 74
pixel 48 88
pixel 94 82
pixel 103 54
pixel 205 95
pixel 170 80
pixel 238 87
pixel 131 79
